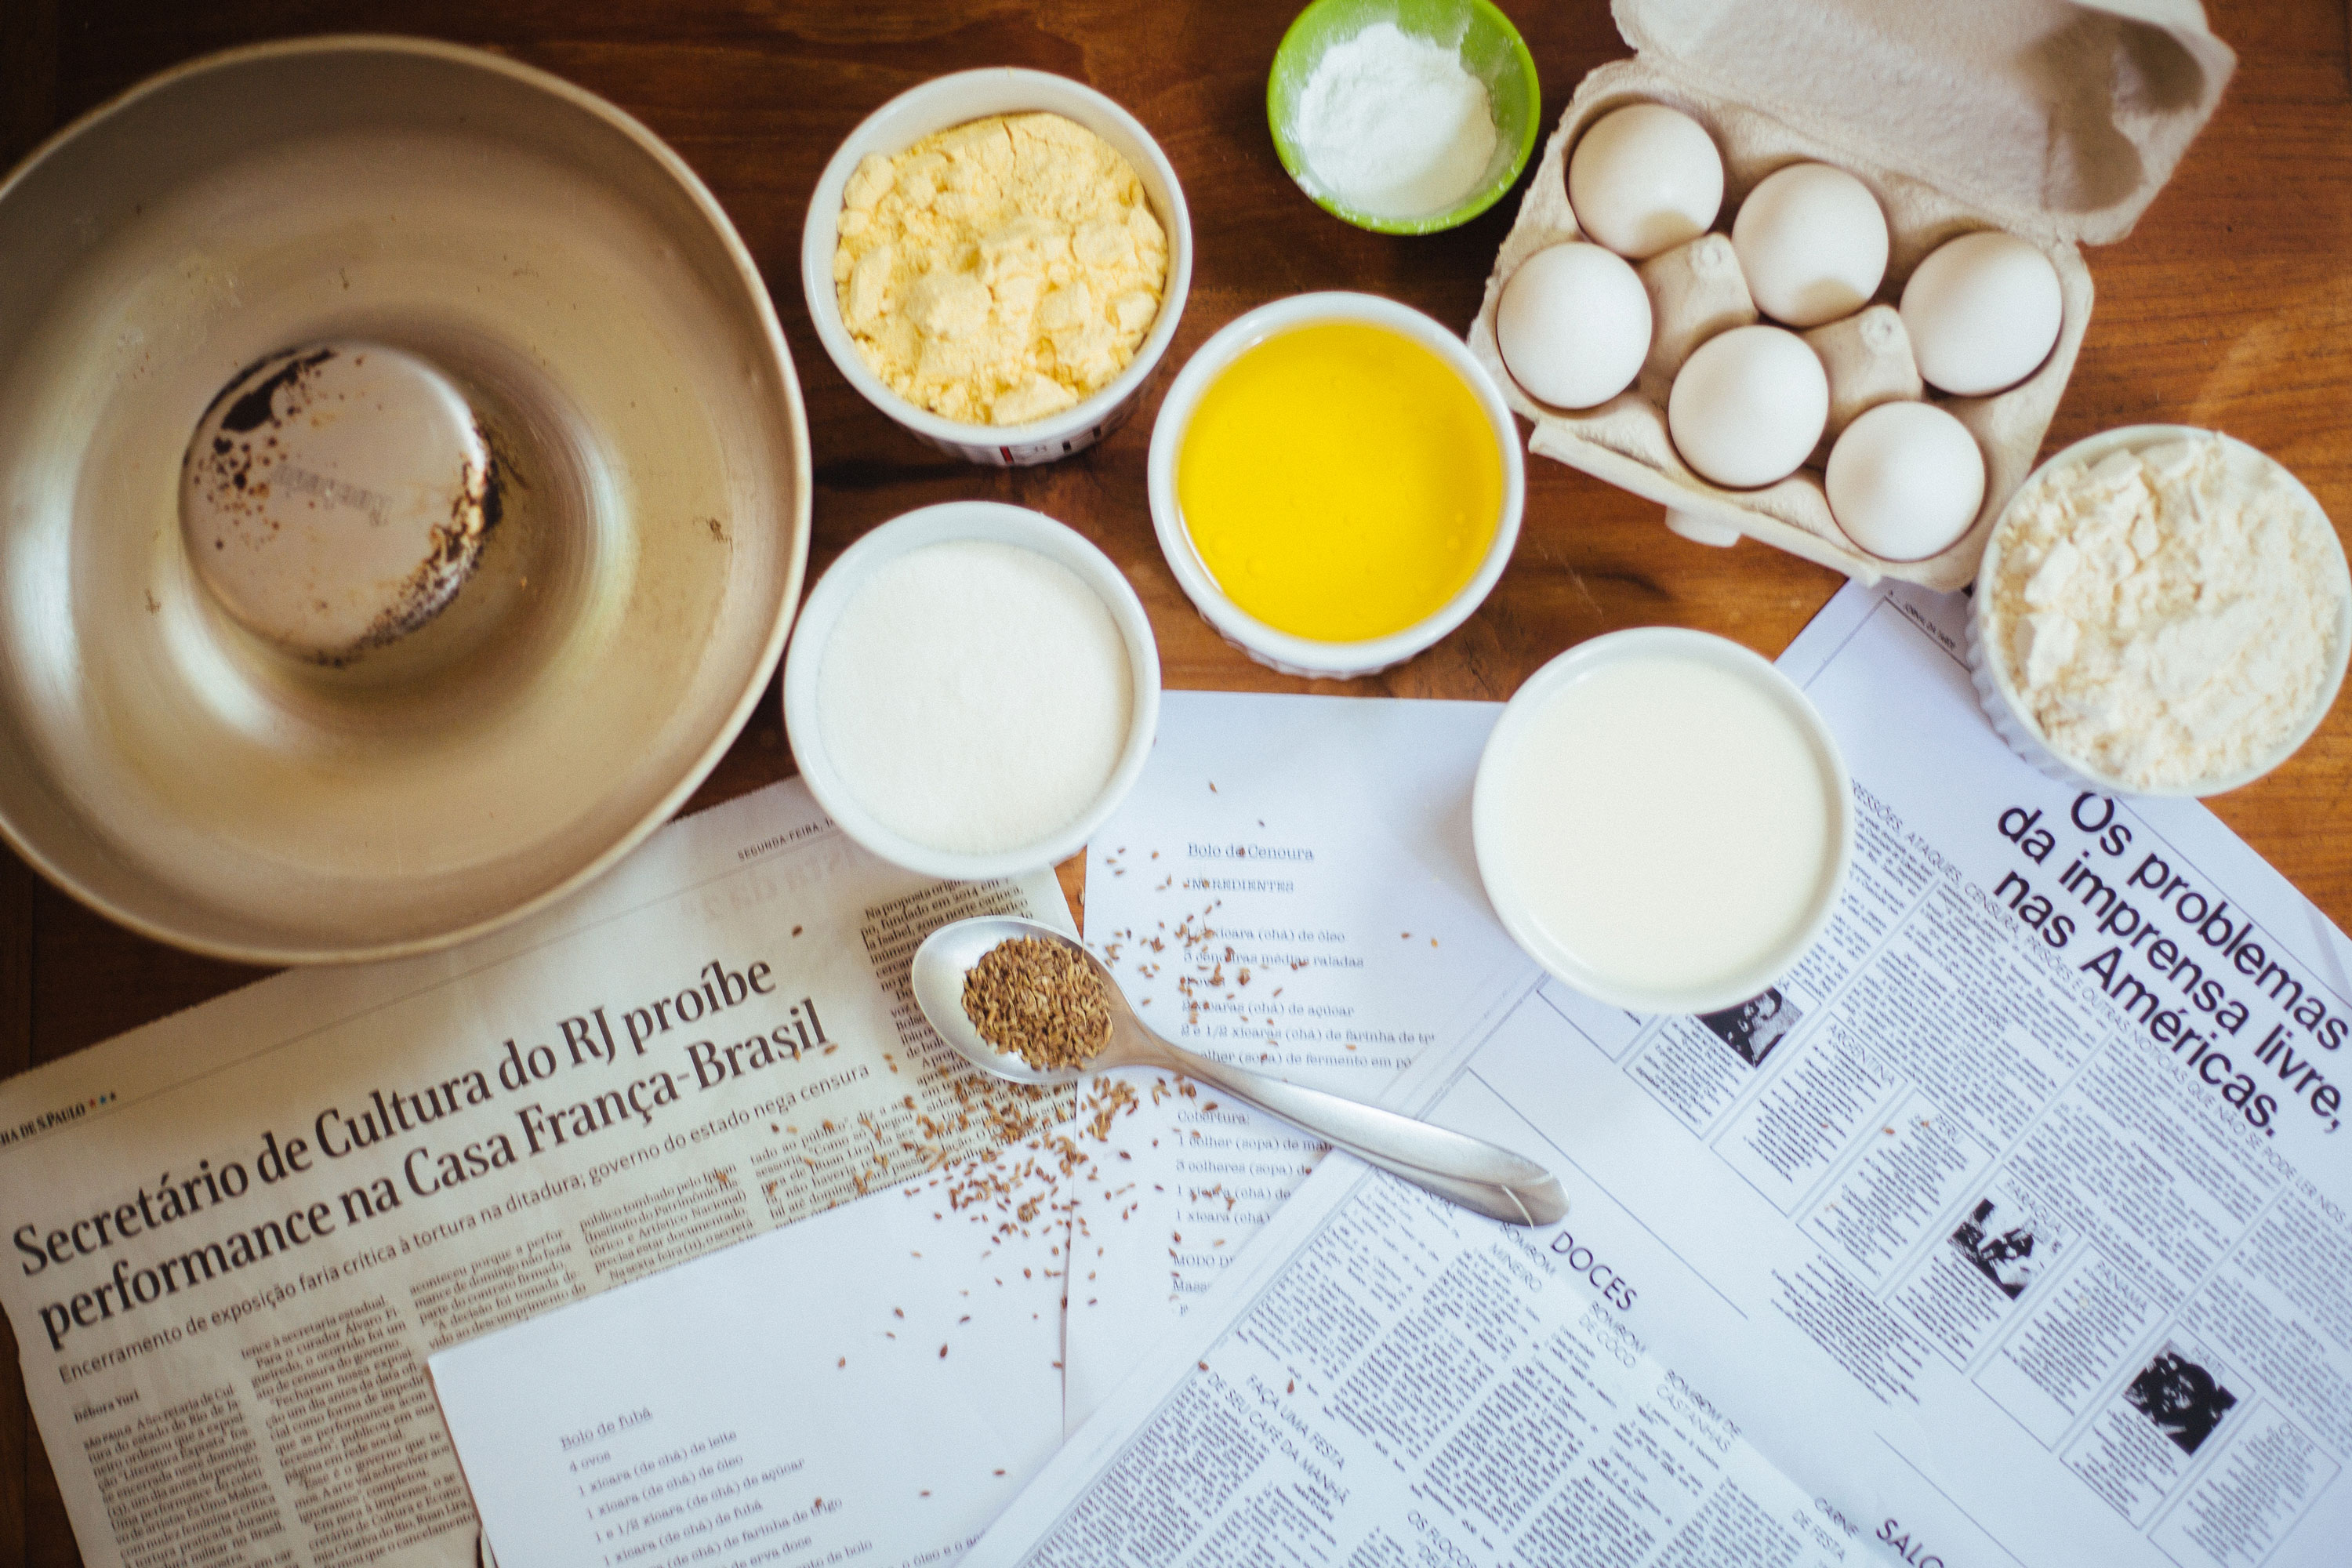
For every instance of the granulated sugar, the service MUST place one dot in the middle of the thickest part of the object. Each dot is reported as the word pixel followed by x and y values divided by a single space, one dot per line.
pixel 2168 615
pixel 1392 125
pixel 975 696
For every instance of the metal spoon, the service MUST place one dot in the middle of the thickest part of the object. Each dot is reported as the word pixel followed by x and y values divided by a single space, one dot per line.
pixel 1467 1170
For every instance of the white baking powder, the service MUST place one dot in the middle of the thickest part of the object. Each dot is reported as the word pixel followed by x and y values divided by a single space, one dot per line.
pixel 2168 615
pixel 975 696
pixel 1392 125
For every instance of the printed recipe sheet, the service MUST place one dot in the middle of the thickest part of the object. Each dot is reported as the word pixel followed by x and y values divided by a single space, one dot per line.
pixel 1290 888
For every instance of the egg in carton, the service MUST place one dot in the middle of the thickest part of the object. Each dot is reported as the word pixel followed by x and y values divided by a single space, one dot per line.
pixel 2054 121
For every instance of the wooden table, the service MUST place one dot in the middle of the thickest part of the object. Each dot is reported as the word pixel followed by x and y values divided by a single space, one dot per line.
pixel 2230 307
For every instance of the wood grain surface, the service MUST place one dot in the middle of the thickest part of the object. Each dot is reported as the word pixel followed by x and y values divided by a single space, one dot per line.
pixel 2229 307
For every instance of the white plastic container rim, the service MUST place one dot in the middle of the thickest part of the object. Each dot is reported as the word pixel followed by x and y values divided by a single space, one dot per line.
pixel 996 522
pixel 1494 854
pixel 940 104
pixel 1282 650
pixel 2007 711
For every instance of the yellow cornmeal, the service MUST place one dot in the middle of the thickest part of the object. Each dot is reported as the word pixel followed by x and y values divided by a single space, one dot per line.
pixel 997 273
pixel 1340 482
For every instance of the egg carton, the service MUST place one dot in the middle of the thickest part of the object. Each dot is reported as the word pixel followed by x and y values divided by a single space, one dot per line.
pixel 2056 121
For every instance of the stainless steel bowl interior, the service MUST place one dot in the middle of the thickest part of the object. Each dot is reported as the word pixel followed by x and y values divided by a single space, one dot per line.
pixel 569 273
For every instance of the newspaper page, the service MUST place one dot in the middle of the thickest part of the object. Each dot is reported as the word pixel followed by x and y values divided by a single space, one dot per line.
pixel 2015 1226
pixel 1255 914
pixel 1384 1381
pixel 237 1234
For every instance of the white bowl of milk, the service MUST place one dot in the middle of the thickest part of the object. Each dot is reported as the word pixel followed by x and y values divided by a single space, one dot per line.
pixel 1662 820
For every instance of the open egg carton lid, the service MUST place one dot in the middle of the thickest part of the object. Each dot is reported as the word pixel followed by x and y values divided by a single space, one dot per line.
pixel 2056 121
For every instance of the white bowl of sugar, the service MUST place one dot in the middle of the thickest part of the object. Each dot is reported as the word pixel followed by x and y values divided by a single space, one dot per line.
pixel 971 690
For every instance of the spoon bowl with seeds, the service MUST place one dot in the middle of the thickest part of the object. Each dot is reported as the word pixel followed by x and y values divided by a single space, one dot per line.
pixel 1022 1001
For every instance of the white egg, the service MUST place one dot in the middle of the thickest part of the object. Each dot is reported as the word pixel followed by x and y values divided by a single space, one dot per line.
pixel 1749 406
pixel 1905 481
pixel 1646 178
pixel 1812 242
pixel 1573 324
pixel 1983 311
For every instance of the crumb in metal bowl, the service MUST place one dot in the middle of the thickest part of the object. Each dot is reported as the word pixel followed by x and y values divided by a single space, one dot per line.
pixel 334 498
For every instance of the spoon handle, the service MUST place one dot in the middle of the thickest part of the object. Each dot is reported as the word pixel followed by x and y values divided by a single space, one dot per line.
pixel 1471 1172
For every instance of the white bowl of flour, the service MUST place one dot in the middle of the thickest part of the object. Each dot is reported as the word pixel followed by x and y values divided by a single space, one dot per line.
pixel 2161 611
pixel 971 690
pixel 1403 116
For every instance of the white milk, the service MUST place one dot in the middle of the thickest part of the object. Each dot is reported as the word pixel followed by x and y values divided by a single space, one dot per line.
pixel 1663 822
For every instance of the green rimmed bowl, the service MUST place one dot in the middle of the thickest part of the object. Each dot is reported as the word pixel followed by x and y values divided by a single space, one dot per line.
pixel 1491 50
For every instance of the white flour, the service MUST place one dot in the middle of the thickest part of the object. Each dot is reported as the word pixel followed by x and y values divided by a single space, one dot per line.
pixel 975 696
pixel 2168 615
pixel 1392 126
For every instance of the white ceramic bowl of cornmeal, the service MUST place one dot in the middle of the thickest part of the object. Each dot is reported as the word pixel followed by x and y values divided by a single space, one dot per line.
pixel 1662 820
pixel 941 104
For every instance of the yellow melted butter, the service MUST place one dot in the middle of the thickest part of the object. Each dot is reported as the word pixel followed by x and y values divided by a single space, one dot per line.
pixel 1340 482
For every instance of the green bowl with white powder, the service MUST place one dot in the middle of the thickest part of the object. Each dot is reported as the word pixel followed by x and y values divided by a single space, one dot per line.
pixel 1403 116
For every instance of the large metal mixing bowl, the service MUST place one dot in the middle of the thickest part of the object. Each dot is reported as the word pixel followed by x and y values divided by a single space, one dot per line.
pixel 571 276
